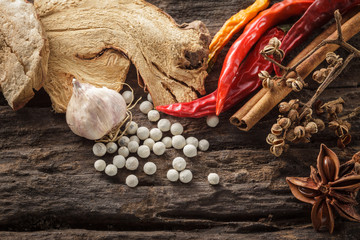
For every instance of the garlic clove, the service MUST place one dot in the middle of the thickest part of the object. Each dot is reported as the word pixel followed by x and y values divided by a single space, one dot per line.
pixel 93 112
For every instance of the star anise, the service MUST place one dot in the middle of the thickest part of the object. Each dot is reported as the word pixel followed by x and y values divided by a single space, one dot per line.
pixel 330 187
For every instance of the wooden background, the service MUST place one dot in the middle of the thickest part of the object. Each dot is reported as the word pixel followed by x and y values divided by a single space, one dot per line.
pixel 50 190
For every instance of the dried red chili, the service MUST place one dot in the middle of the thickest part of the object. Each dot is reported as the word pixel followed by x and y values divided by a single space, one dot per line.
pixel 253 31
pixel 247 81
pixel 233 25
pixel 319 13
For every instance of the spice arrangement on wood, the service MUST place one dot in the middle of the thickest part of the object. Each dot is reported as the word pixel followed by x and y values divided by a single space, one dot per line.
pixel 81 52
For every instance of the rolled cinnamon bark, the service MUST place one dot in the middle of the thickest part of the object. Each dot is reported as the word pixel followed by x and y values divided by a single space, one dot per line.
pixel 262 103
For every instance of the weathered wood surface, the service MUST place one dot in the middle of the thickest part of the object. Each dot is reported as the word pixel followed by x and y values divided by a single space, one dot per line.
pixel 50 190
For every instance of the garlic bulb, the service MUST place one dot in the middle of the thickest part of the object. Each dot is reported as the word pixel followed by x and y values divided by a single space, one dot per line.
pixel 93 112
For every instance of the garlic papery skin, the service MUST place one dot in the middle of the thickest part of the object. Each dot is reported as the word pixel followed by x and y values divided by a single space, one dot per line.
pixel 93 112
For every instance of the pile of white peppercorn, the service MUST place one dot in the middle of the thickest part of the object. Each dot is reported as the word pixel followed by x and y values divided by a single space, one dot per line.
pixel 142 141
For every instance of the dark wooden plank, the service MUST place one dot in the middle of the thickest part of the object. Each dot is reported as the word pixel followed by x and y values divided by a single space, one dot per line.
pixel 47 179
pixel 304 232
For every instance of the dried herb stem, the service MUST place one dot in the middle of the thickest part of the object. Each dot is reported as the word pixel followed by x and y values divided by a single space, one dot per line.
pixel 335 72
pixel 354 113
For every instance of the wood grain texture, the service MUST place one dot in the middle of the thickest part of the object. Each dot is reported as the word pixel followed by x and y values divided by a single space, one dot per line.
pixel 50 190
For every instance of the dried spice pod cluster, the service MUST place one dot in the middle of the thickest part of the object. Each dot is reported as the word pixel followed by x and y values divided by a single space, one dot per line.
pixel 299 124
pixel 330 188
pixel 339 125
pixel 332 59
pixel 295 125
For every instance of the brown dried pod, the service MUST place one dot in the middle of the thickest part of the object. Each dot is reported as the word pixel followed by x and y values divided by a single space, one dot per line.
pixel 263 75
pixel 289 82
pixel 320 75
pixel 278 54
pixel 331 109
pixel 293 115
pixel 339 108
pixel 307 112
pixel 331 58
pixel 294 103
pixel 343 141
pixel 276 129
pixel 267 83
pixel 347 124
pixel 270 138
pixel 284 122
pixel 290 135
pixel 297 85
pixel 275 42
pixel 269 50
pixel 320 124
pixel 311 128
pixel 318 107
pixel 284 107
pixel 327 190
pixel 279 142
pixel 333 125
pixel 277 151
pixel 299 131
pixel 341 130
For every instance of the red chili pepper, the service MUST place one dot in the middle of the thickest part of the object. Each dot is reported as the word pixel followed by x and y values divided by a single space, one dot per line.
pixel 319 13
pixel 247 81
pixel 253 31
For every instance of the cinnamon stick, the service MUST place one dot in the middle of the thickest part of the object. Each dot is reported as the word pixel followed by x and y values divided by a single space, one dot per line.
pixel 236 118
pixel 260 105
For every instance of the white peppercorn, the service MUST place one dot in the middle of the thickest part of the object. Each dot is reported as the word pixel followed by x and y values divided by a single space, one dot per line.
pixel 100 165
pixel 204 145
pixel 164 125
pixel 128 96
pixel 133 146
pixel 159 148
pixel 149 98
pixel 99 149
pixel 212 121
pixel 143 151
pixel 123 141
pixel 149 168
pixel 190 150
pixel 167 142
pixel 132 180
pixel 143 133
pixel 111 147
pixel 179 163
pixel 123 151
pixel 131 127
pixel 134 138
pixel 149 142
pixel 213 179
pixel 153 115
pixel 132 163
pixel 155 134
pixel 192 140
pixel 119 161
pixel 176 129
pixel 146 106
pixel 111 170
pixel 178 141
pixel 172 175
pixel 185 176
